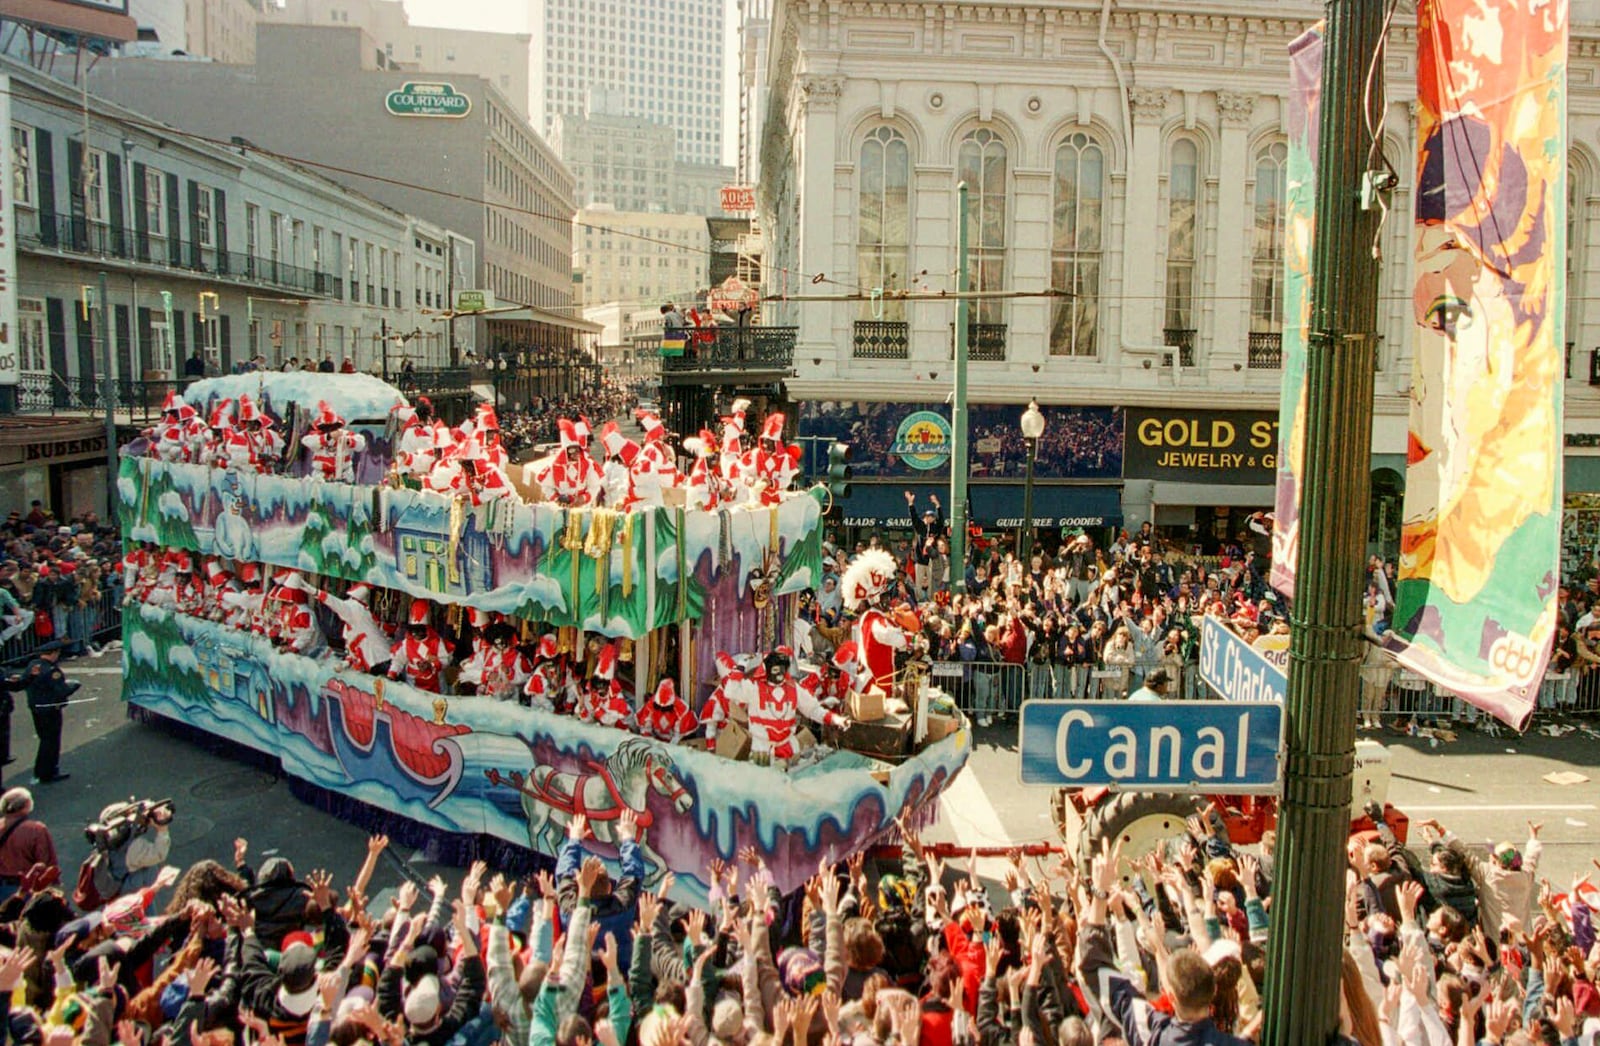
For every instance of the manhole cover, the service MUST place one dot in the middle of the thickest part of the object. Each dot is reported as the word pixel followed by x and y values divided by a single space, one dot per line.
pixel 232 785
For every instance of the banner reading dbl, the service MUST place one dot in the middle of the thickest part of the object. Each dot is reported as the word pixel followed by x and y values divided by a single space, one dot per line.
pixel 1475 601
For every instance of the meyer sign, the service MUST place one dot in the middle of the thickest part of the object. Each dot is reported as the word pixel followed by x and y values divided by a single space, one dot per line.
pixel 1152 746
pixel 427 99
pixel 1233 669
pixel 474 301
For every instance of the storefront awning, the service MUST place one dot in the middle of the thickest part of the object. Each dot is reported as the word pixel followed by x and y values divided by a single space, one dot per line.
pixel 992 504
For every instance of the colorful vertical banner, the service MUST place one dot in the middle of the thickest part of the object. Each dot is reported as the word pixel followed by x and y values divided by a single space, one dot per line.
pixel 1300 207
pixel 10 331
pixel 1475 605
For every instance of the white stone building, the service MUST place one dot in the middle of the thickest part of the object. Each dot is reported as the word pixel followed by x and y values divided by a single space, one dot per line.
pixel 1130 151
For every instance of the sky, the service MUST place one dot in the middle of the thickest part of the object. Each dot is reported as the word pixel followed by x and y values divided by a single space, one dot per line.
pixel 511 16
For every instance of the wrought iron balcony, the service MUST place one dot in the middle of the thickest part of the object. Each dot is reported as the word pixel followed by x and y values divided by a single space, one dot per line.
pixel 1265 351
pixel 141 400
pixel 1182 339
pixel 733 349
pixel 882 340
pixel 70 234
pixel 986 342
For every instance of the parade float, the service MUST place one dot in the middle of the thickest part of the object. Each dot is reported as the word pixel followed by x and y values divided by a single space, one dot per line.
pixel 618 609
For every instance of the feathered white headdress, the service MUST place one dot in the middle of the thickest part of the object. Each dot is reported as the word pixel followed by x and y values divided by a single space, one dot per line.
pixel 868 575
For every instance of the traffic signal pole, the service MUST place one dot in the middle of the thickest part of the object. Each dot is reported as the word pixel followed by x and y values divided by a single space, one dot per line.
pixel 1305 949
pixel 958 410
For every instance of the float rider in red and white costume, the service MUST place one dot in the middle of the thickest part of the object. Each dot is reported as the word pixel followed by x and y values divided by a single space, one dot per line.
pixel 703 485
pixel 333 447
pixel 265 444
pixel 420 655
pixel 486 433
pixel 366 647
pixel 242 608
pixel 571 478
pixel 417 447
pixel 180 436
pixel 776 699
pixel 506 670
pixel 666 716
pixel 736 479
pixel 616 474
pixel 546 688
pixel 655 467
pixel 718 709
pixel 876 635
pixel 605 703
pixel 297 624
pixel 772 465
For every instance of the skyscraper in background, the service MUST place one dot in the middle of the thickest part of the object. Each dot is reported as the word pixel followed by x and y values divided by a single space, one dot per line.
pixel 659 60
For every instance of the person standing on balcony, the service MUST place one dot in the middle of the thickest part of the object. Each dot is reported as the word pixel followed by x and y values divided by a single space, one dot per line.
pixel 194 366
pixel 326 366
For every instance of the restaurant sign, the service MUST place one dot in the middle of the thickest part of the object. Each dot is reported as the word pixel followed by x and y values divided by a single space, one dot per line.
pixel 923 440
pixel 1201 446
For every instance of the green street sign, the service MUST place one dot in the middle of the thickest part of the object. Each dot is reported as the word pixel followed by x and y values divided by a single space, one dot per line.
pixel 474 301
pixel 427 99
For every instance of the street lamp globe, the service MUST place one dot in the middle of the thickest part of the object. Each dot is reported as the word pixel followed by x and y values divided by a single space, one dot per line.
pixel 1032 421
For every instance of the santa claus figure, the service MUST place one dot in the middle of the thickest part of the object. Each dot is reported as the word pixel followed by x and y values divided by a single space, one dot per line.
pixel 876 634
pixel 655 467
pixel 605 703
pixel 666 716
pixel 571 477
pixel 266 445
pixel 776 700
pixel 366 647
pixel 772 466
pixel 333 447
pixel 420 655
pixel 616 474
pixel 718 709
pixel 297 624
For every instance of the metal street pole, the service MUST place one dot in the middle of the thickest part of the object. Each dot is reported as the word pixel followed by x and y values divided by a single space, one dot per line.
pixel 958 410
pixel 383 345
pixel 1025 542
pixel 108 397
pixel 1301 995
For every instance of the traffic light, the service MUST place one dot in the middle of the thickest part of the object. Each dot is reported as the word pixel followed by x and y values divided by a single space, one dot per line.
pixel 839 471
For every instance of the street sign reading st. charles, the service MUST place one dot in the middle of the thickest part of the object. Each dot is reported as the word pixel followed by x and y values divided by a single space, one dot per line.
pixel 427 99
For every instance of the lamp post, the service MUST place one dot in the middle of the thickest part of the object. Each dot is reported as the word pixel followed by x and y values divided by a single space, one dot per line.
pixel 1032 429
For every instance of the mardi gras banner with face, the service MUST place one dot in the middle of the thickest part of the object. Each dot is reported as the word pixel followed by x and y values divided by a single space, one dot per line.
pixel 1300 204
pixel 1475 601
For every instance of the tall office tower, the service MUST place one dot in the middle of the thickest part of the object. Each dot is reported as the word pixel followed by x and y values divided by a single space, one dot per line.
pixel 661 60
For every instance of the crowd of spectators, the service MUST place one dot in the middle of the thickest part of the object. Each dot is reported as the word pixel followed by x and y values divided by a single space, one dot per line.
pixel 59 580
pixel 1446 945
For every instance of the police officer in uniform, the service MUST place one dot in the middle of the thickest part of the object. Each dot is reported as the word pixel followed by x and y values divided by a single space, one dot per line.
pixel 48 691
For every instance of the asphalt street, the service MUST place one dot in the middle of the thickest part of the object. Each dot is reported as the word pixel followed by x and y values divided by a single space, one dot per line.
pixel 1484 788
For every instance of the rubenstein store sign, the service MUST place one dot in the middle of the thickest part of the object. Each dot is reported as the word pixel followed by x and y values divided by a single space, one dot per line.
pixel 427 99
pixel 1201 446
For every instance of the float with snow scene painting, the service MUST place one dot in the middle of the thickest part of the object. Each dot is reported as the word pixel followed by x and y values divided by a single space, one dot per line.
pixel 465 652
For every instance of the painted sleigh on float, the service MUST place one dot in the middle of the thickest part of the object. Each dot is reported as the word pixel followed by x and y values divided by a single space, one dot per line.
pixel 462 771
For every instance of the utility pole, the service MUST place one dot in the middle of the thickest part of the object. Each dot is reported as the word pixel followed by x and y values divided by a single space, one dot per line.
pixel 383 345
pixel 108 398
pixel 958 410
pixel 1301 995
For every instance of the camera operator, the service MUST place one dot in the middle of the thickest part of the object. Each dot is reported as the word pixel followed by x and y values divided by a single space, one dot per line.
pixel 24 842
pixel 135 838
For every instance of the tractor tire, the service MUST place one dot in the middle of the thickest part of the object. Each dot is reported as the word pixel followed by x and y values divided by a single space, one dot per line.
pixel 1139 820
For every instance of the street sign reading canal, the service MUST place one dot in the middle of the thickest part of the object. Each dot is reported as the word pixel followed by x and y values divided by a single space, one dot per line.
pixel 1152 746
pixel 1232 668
pixel 427 99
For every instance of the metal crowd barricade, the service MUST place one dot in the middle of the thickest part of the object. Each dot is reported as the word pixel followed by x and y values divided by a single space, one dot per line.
pixel 103 620
pixel 982 688
pixel 998 688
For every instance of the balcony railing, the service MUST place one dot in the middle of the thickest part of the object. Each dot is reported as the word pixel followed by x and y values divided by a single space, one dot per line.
pixel 59 394
pixel 881 340
pixel 734 349
pixel 1182 339
pixel 986 342
pixel 1265 351
pixel 74 235
pixel 433 381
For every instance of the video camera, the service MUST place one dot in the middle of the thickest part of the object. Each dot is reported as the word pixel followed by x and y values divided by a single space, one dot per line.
pixel 121 822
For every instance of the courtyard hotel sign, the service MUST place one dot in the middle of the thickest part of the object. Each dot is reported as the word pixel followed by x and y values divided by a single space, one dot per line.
pixel 427 99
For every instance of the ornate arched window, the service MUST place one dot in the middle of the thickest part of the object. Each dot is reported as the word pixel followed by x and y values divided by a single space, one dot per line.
pixel 1076 243
pixel 982 165
pixel 1183 226
pixel 1266 243
pixel 883 221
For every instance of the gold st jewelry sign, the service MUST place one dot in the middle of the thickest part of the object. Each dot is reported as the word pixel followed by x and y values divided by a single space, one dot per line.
pixel 1205 446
